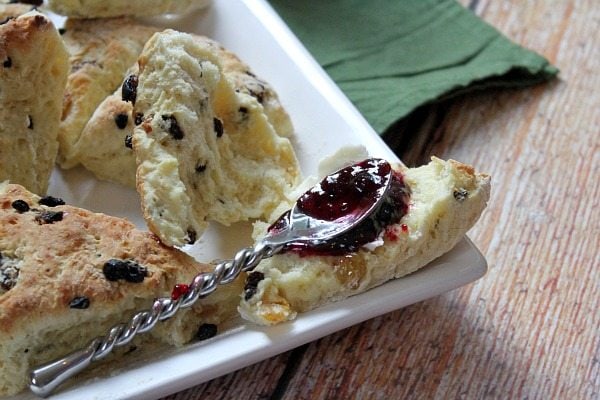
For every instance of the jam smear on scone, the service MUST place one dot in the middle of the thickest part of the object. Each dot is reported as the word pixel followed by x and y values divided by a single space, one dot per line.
pixel 348 193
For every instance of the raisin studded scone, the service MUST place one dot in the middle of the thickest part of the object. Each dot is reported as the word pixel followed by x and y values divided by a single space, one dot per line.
pixel 67 275
pixel 446 198
pixel 32 79
pixel 193 166
pixel 104 146
pixel 246 82
pixel 116 8
pixel 101 51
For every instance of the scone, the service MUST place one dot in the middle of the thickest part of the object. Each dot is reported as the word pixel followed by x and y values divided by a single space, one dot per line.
pixel 193 166
pixel 101 51
pixel 67 275
pixel 104 144
pixel 116 8
pixel 246 82
pixel 8 9
pixel 446 199
pixel 32 79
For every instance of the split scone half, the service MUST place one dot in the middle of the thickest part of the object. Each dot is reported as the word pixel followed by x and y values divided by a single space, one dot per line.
pixel 446 199
pixel 104 146
pixel 32 79
pixel 101 51
pixel 67 275
pixel 116 8
pixel 203 151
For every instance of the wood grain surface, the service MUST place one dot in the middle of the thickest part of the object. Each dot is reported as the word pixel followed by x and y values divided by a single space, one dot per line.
pixel 531 327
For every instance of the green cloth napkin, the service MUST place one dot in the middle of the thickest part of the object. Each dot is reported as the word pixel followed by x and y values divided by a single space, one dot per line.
pixel 391 56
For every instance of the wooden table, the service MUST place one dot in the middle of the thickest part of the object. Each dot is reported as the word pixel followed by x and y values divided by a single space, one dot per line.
pixel 531 327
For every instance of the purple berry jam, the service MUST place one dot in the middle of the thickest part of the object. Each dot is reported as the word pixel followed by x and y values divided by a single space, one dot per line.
pixel 349 192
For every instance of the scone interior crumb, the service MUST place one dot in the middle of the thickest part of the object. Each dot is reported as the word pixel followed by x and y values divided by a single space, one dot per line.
pixel 204 152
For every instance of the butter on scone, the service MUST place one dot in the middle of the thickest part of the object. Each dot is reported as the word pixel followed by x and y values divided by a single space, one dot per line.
pixel 117 8
pixel 193 166
pixel 67 275
pixel 104 146
pixel 101 51
pixel 446 199
pixel 32 79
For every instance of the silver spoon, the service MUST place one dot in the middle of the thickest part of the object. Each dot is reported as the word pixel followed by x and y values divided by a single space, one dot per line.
pixel 298 228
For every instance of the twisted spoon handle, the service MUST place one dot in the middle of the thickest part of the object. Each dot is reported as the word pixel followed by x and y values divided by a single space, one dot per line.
pixel 46 378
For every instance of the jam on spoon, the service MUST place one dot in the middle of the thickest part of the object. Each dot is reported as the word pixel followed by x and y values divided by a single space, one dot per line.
pixel 344 196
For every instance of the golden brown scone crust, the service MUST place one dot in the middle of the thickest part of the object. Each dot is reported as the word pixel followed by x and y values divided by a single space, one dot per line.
pixel 59 261
pixel 101 51
pixel 33 72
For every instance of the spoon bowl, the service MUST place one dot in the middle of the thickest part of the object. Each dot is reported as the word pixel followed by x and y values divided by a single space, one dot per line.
pixel 299 228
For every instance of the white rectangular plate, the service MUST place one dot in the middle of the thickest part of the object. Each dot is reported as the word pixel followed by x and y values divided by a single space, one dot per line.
pixel 325 121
